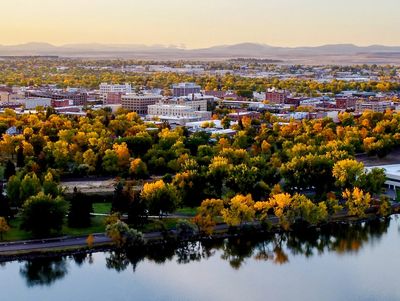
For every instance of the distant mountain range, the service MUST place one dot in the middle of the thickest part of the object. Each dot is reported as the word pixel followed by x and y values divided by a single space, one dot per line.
pixel 325 54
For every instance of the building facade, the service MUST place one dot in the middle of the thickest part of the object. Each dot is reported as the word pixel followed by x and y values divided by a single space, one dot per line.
pixel 184 89
pixel 33 103
pixel 79 98
pixel 276 96
pixel 345 103
pixel 375 106
pixel 139 102
pixel 111 88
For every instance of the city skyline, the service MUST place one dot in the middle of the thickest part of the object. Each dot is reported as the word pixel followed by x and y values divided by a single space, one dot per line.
pixel 287 23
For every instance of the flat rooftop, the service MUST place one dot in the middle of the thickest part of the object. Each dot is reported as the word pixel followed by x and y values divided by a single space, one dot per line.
pixel 393 169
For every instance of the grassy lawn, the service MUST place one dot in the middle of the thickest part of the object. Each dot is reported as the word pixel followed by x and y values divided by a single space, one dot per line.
pixel 187 211
pixel 102 208
pixel 96 227
pixel 16 233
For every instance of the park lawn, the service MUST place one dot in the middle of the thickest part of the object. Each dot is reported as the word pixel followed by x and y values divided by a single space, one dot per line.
pixel 97 226
pixel 16 233
pixel 102 208
pixel 187 211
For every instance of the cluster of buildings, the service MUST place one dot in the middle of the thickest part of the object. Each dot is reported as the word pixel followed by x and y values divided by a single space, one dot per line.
pixel 188 102
pixel 354 101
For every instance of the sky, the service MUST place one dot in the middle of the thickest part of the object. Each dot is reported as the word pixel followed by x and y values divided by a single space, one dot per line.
pixel 201 23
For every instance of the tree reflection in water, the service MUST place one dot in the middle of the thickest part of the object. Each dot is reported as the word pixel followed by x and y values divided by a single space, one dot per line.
pixel 44 272
pixel 275 248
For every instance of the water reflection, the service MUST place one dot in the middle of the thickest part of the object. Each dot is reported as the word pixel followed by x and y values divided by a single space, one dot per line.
pixel 277 249
pixel 44 272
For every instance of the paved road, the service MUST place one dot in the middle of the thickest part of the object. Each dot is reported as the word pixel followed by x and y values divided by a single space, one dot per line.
pixel 55 243
pixel 61 242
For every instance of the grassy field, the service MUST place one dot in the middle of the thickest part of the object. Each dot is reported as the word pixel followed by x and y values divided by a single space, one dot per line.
pixel 187 211
pixel 97 226
pixel 16 233
pixel 102 208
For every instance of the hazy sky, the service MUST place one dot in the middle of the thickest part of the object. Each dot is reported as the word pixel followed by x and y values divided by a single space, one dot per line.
pixel 200 23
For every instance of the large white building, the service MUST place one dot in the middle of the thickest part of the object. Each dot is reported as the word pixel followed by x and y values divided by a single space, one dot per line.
pixel 111 88
pixel 175 110
pixel 175 113
pixel 197 102
pixel 139 102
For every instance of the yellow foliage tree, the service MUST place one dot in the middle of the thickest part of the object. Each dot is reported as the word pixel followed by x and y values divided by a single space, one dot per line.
pixel 357 202
pixel 240 210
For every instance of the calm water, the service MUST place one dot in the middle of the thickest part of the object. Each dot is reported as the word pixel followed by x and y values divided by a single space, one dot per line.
pixel 357 262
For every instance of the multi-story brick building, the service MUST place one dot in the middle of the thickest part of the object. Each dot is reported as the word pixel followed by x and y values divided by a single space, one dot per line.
pixel 139 102
pixel 276 96
pixel 113 98
pixel 78 98
pixel 345 103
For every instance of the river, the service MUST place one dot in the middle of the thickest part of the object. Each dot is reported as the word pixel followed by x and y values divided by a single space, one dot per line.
pixel 337 262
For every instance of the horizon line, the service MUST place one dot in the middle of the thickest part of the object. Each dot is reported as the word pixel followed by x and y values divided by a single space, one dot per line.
pixel 182 46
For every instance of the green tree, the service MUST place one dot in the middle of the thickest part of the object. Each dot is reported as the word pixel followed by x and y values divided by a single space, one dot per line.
pixel 43 215
pixel 110 162
pixel 123 236
pixel 79 210
pixel 30 186
pixel 13 190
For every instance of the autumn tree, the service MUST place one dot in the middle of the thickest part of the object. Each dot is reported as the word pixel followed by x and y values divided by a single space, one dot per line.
pixel 205 219
pixel 4 227
pixel 138 169
pixel 347 172
pixel 240 209
pixel 160 197
pixel 357 201
pixel 90 241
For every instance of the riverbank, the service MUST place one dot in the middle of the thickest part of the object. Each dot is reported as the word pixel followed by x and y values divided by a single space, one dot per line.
pixel 61 246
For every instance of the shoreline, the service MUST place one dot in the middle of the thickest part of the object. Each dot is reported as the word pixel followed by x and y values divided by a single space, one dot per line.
pixel 154 239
